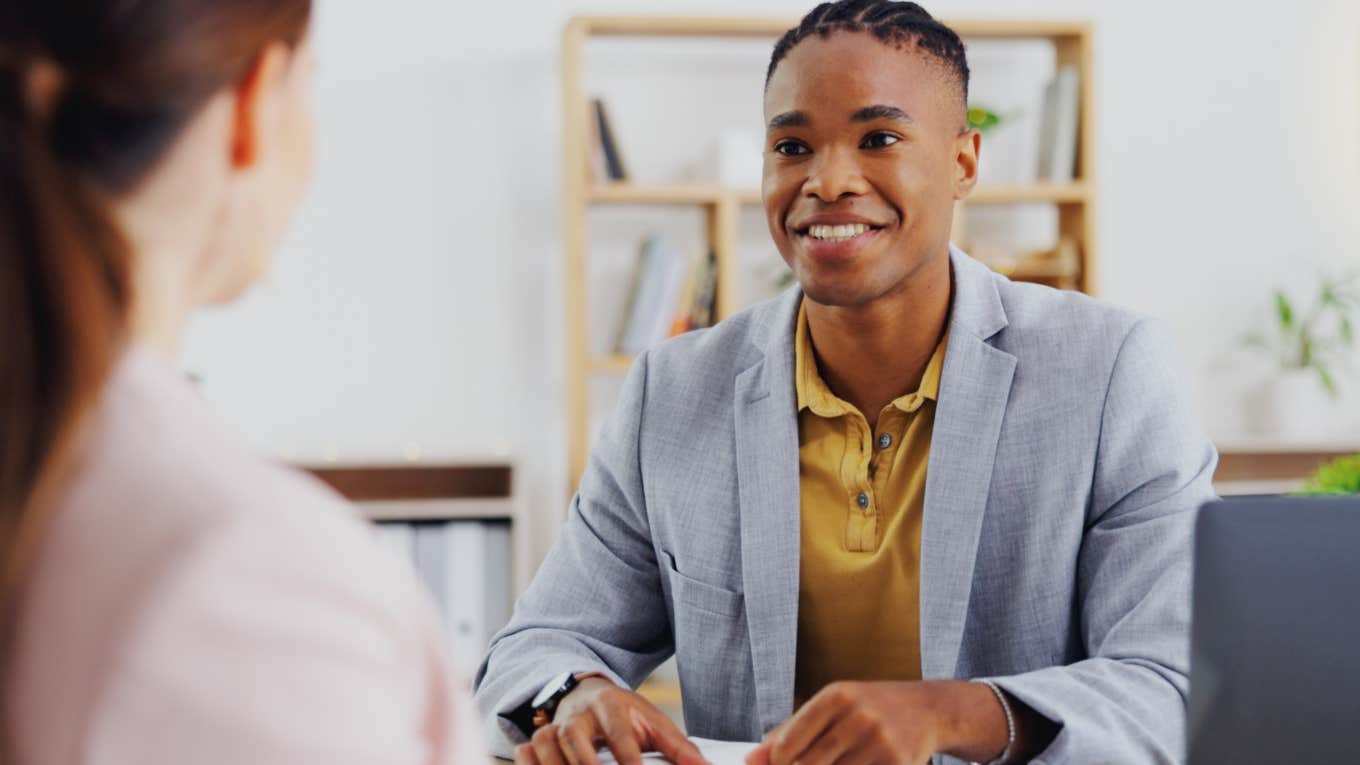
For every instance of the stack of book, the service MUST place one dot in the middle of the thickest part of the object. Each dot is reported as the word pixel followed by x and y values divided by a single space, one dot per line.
pixel 671 294
pixel 466 566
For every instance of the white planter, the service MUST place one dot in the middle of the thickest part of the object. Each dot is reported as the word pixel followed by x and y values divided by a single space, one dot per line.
pixel 1293 405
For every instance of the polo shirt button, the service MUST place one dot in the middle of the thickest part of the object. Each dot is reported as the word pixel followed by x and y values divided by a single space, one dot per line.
pixel 863 500
pixel 884 441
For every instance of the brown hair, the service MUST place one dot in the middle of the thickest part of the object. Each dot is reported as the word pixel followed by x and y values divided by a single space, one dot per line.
pixel 92 93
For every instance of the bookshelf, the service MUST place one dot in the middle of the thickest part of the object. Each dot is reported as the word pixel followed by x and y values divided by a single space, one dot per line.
pixel 472 491
pixel 722 205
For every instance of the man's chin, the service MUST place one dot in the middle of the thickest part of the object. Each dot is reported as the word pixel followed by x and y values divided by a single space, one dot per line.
pixel 838 294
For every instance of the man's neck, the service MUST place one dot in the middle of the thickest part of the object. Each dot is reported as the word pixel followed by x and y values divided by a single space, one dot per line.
pixel 872 354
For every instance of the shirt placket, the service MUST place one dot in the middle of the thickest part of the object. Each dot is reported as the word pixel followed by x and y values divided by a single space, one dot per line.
pixel 861 530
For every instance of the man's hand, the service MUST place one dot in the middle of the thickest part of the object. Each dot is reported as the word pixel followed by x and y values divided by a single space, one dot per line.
pixel 598 713
pixel 889 722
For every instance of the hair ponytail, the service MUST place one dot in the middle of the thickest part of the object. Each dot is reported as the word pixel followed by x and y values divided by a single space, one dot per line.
pixel 92 94
pixel 63 298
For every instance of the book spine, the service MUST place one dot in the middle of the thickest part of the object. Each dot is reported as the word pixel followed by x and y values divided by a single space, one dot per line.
pixel 1065 113
pixel 705 301
pixel 623 337
pixel 465 587
pixel 642 317
pixel 673 277
pixel 399 538
pixel 499 600
pixel 431 556
pixel 681 319
pixel 597 167
pixel 613 157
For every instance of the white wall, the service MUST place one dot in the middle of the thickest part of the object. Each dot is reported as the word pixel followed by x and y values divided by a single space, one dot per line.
pixel 417 304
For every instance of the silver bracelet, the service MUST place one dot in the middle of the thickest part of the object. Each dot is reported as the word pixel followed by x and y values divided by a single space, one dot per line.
pixel 1010 723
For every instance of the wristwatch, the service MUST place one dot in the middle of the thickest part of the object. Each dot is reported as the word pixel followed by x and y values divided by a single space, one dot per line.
pixel 545 703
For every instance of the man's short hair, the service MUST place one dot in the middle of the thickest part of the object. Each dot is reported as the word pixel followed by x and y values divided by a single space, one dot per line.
pixel 896 23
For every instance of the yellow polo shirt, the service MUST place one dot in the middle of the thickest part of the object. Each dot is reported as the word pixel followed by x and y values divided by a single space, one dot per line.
pixel 862 499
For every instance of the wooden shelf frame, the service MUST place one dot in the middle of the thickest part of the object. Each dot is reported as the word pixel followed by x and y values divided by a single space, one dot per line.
pixel 722 205
pixel 443 491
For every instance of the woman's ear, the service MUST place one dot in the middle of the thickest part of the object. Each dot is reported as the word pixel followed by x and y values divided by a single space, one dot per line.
pixel 256 103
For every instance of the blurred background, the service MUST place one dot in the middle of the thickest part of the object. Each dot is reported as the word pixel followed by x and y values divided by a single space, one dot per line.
pixel 421 311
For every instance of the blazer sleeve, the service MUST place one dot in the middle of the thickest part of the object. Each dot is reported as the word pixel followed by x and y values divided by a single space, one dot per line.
pixel 282 644
pixel 596 604
pixel 1153 470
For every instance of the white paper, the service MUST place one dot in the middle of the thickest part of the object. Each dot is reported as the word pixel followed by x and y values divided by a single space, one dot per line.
pixel 716 752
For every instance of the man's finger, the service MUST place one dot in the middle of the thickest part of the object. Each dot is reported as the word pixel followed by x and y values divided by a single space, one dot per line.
pixel 577 740
pixel 620 737
pixel 545 748
pixel 806 726
pixel 859 754
pixel 760 755
pixel 524 755
pixel 669 741
pixel 835 742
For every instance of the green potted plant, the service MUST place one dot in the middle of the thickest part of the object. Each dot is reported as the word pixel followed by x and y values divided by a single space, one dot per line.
pixel 1307 348
pixel 1340 476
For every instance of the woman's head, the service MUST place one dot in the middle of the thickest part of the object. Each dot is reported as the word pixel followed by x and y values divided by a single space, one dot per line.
pixel 151 153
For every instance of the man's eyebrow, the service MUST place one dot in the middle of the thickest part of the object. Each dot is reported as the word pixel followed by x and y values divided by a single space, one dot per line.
pixel 789 119
pixel 880 112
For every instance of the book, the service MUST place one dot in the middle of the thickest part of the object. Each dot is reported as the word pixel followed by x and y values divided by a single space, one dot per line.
pixel 613 157
pixel 1058 129
pixel 597 169
pixel 672 284
pixel 704 310
pixel 465 592
pixel 430 557
pixel 682 319
pixel 465 565
pixel 499 596
pixel 651 305
pixel 398 537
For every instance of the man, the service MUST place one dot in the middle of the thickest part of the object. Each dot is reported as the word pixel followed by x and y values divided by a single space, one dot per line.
pixel 907 509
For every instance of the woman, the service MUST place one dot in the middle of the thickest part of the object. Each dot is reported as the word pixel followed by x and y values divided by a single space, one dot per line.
pixel 167 598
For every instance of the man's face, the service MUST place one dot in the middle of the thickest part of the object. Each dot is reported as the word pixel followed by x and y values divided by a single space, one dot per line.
pixel 865 155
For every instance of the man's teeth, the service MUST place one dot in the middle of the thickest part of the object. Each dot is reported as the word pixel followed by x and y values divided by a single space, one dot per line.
pixel 837 233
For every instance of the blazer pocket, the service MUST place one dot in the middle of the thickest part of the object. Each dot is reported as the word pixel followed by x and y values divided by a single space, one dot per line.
pixel 701 595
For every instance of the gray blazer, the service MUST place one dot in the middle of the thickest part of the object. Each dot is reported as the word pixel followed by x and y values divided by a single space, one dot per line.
pixel 1065 470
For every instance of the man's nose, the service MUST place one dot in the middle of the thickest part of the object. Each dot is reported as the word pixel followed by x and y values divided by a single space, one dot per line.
pixel 835 173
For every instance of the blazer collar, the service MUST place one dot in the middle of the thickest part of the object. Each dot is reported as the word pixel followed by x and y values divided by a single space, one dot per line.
pixel 977 307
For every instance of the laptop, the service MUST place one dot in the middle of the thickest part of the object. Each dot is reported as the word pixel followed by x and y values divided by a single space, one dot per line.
pixel 1275 639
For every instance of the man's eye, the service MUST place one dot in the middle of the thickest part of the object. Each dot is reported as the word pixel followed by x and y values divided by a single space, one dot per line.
pixel 879 141
pixel 790 149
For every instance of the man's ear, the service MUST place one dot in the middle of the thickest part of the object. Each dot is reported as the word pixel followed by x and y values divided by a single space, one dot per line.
pixel 254 104
pixel 967 147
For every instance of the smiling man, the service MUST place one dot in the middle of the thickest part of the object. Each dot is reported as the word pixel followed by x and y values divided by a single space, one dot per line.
pixel 909 508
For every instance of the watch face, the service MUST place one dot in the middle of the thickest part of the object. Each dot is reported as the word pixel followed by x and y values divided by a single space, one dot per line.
pixel 550 689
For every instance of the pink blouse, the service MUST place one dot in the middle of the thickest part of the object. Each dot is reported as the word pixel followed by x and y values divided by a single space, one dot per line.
pixel 191 603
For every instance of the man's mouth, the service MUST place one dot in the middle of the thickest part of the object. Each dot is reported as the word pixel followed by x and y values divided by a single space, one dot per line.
pixel 841 233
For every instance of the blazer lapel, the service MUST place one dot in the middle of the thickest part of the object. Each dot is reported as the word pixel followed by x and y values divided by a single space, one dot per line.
pixel 974 389
pixel 767 476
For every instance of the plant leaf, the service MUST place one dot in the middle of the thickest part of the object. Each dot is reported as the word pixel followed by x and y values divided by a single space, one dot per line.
pixel 1340 476
pixel 1284 310
pixel 982 119
pixel 1326 378
pixel 1347 331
